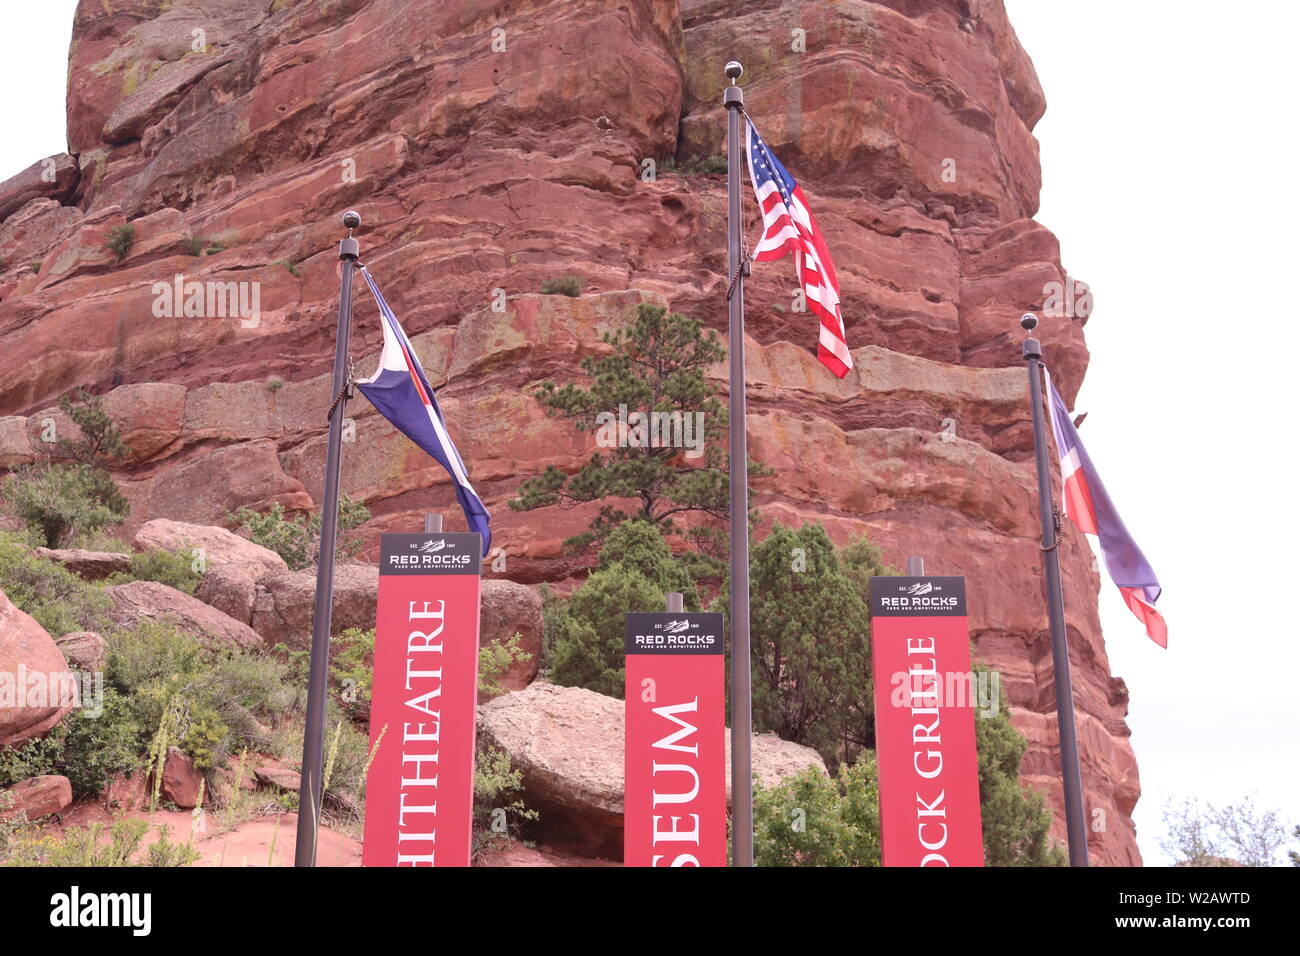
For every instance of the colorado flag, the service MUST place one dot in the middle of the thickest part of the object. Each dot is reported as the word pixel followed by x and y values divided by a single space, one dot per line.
pixel 401 393
pixel 1090 508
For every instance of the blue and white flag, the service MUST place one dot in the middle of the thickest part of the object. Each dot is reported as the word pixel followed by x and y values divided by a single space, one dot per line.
pixel 401 393
pixel 1089 506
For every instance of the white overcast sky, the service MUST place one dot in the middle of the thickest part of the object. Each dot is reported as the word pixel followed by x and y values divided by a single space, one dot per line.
pixel 1168 154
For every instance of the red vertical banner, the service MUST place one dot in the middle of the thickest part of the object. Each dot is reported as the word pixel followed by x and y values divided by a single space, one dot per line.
pixel 925 723
pixel 420 790
pixel 674 761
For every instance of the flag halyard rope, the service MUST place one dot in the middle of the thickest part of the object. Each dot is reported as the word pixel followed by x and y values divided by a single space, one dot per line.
pixel 348 390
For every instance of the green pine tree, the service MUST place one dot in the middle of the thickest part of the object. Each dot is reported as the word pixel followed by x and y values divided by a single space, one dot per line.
pixel 810 636
pixel 811 819
pixel 1016 821
pixel 100 443
pixel 58 499
pixel 635 571
pixel 657 365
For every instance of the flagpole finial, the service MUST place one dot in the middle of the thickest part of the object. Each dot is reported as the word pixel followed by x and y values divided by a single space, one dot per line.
pixel 1030 347
pixel 734 71
pixel 349 248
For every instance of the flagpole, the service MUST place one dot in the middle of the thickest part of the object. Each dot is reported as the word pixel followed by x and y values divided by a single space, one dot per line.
pixel 313 741
pixel 1071 779
pixel 742 783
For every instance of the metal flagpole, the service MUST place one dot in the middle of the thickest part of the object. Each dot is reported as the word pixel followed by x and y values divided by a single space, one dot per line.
pixel 313 741
pixel 742 783
pixel 1071 779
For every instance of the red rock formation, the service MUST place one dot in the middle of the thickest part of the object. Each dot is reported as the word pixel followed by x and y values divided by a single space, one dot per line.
pixel 510 609
pixel 567 744
pixel 182 782
pixel 36 684
pixel 137 602
pixel 90 565
pixel 36 797
pixel 494 147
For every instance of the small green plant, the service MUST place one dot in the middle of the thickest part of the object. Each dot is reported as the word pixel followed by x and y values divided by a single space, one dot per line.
pixel 371 754
pixel 175 569
pixel 331 755
pixel 34 758
pixel 36 267
pixel 60 601
pixel 349 758
pixel 78 495
pixel 291 267
pixel 205 735
pixel 563 285
pixel 275 832
pixel 99 541
pixel 696 165
pixel 14 827
pixel 85 846
pixel 207 702
pixel 59 500
pixel 495 659
pixel 297 539
pixel 810 819
pixel 95 749
pixel 499 810
pixel 274 384
pixel 197 246
pixel 120 240
pixel 158 748
pixel 352 669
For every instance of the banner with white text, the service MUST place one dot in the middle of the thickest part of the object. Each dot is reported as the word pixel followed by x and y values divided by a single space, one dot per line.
pixel 420 789
pixel 674 804
pixel 925 723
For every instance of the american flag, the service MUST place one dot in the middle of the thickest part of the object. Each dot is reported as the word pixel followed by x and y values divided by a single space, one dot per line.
pixel 788 226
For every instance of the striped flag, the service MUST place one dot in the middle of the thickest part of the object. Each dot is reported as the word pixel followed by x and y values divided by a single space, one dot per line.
pixel 788 226
pixel 1090 508
pixel 401 393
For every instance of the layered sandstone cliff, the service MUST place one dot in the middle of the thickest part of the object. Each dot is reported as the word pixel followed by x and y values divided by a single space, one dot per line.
pixel 492 146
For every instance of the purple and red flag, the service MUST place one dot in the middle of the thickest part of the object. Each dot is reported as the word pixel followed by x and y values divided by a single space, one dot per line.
pixel 1089 506
pixel 788 226
pixel 400 392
